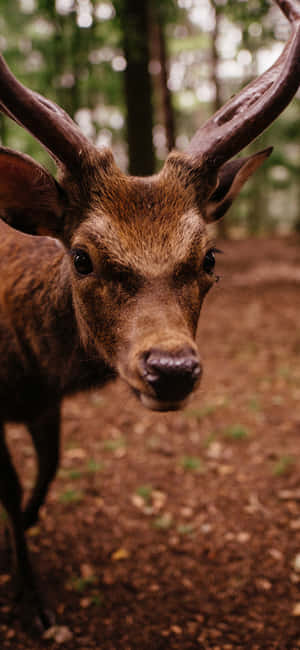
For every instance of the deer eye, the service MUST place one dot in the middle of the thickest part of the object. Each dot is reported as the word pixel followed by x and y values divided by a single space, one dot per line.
pixel 82 261
pixel 209 261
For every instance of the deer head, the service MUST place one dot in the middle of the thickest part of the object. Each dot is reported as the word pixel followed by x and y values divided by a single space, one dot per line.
pixel 138 253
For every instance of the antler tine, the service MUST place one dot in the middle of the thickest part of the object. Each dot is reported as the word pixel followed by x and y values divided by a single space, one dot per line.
pixel 244 117
pixel 44 119
pixel 289 9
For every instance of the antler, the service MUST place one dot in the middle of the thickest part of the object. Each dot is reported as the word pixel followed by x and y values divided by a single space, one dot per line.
pixel 239 122
pixel 244 117
pixel 44 119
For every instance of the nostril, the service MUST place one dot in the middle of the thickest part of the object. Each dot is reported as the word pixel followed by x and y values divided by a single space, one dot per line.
pixel 171 375
pixel 161 363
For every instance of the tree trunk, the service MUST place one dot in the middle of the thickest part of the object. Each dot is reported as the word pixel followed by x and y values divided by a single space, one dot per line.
pixel 166 95
pixel 135 27
pixel 159 55
pixel 217 102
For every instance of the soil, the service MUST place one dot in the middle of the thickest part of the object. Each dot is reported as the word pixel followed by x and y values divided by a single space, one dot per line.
pixel 182 530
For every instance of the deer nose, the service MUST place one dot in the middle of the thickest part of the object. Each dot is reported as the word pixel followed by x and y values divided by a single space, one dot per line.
pixel 172 376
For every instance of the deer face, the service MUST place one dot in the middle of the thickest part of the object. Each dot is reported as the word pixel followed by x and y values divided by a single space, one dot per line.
pixel 141 264
pixel 140 261
pixel 139 256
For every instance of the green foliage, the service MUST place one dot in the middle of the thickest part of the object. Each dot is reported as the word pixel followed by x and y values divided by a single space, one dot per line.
pixel 82 584
pixel 145 491
pixel 185 529
pixel 93 467
pixel 114 444
pixel 71 496
pixel 237 432
pixel 283 466
pixel 83 67
pixel 243 12
pixel 192 464
pixel 164 522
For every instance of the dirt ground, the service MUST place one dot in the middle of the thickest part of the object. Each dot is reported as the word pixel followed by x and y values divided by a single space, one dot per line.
pixel 183 530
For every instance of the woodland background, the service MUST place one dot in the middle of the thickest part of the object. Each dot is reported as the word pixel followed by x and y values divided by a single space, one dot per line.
pixel 142 76
pixel 173 531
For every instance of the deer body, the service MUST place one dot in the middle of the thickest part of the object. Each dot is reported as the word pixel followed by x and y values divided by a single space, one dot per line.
pixel 108 274
pixel 40 347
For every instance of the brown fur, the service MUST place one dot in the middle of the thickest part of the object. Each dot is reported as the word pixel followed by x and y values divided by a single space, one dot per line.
pixel 62 332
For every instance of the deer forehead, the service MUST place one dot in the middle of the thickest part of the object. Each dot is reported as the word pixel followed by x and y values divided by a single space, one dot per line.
pixel 149 245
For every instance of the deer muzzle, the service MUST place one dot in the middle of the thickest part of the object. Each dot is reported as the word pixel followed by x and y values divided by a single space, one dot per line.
pixel 169 377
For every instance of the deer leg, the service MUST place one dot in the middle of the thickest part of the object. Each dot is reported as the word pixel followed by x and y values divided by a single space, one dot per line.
pixel 11 497
pixel 45 436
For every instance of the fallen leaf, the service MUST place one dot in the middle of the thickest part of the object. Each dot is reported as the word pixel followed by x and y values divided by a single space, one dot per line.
pixel 158 499
pixel 34 531
pixel 85 602
pixel 59 633
pixel 138 501
pixel 87 571
pixel 296 562
pixel 263 584
pixel 296 609
pixel 275 554
pixel 243 537
pixel 120 554
pixel 76 453
pixel 215 450
pixel 289 494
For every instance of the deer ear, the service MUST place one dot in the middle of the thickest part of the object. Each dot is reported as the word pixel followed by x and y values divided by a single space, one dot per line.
pixel 30 198
pixel 231 179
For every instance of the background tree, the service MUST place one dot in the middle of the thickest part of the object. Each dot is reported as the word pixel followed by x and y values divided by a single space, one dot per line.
pixel 135 25
pixel 178 60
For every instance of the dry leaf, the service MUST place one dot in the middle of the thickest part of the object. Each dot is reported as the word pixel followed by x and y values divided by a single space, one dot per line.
pixel 120 554
pixel 296 562
pixel 76 453
pixel 59 634
pixel 296 609
pixel 87 571
pixel 85 602
pixel 138 501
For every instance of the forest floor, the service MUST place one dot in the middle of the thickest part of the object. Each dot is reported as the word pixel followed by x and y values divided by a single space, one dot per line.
pixel 182 530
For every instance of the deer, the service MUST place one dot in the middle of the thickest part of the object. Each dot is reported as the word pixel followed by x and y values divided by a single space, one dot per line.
pixel 104 274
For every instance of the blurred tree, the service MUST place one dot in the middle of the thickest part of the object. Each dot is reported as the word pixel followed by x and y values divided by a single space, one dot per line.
pixel 217 102
pixel 77 52
pixel 135 23
pixel 161 14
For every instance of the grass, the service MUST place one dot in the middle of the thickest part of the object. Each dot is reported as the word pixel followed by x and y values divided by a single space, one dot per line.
pixel 97 599
pixel 286 373
pixel 254 404
pixel 94 466
pixel 200 413
pixel 74 474
pixel 71 496
pixel 164 522
pixel 192 464
pixel 236 432
pixel 185 529
pixel 145 491
pixel 283 466
pixel 210 439
pixel 81 584
pixel 114 444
